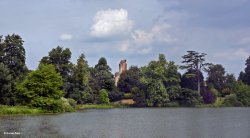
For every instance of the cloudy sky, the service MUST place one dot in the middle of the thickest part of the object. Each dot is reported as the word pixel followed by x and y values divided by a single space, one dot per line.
pixel 137 30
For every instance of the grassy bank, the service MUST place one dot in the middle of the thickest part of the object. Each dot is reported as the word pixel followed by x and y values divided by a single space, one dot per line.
pixel 14 110
pixel 100 106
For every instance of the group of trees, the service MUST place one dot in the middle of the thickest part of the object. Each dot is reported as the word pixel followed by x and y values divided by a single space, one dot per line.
pixel 157 84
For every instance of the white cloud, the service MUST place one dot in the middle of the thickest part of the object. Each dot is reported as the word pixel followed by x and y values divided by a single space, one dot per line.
pixel 233 55
pixel 66 36
pixel 111 22
pixel 141 42
pixel 159 33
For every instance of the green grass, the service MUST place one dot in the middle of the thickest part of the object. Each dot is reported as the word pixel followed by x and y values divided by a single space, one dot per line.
pixel 100 106
pixel 19 110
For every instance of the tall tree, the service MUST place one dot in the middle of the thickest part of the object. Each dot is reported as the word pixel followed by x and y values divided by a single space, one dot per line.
pixel 195 61
pixel 5 84
pixel 79 82
pixel 60 58
pixel 190 82
pixel 101 78
pixel 216 76
pixel 13 55
pixel 245 76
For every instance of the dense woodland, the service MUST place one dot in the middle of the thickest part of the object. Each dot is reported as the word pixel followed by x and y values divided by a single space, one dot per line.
pixel 158 84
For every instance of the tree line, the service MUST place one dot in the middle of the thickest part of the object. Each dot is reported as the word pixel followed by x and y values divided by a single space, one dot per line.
pixel 158 84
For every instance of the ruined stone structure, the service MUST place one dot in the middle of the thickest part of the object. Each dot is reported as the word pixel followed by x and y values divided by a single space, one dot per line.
pixel 122 68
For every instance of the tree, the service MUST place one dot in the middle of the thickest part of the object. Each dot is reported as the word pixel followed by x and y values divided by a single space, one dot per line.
pixel 216 76
pixel 103 96
pixel 101 78
pixel 157 94
pixel 190 82
pixel 78 83
pixel 13 55
pixel 187 97
pixel 129 79
pixel 195 61
pixel 60 58
pixel 41 89
pixel 245 76
pixel 5 84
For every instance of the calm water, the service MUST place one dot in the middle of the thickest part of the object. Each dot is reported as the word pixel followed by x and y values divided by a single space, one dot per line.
pixel 134 123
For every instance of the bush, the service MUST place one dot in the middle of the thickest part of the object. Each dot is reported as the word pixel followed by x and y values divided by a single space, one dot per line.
pixel 231 101
pixel 72 102
pixel 48 104
pixel 115 96
pixel 208 97
pixel 103 96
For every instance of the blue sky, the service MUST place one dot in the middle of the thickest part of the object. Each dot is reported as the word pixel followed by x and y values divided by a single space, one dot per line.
pixel 137 30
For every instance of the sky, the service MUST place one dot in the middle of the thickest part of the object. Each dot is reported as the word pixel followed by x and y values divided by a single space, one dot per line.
pixel 135 30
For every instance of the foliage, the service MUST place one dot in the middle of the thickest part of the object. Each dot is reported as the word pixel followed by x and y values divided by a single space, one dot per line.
pixel 208 96
pixel 60 58
pixel 129 79
pixel 101 78
pixel 78 83
pixel 242 92
pixel 5 84
pixel 115 96
pixel 13 55
pixel 231 101
pixel 157 94
pixel 195 61
pixel 216 76
pixel 41 89
pixel 189 81
pixel 187 97
pixel 139 97
pixel 103 97
pixel 245 76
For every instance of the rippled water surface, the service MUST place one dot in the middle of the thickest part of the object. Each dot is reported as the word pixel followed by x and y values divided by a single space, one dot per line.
pixel 134 123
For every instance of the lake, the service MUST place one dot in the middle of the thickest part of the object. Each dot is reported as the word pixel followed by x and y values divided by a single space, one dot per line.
pixel 133 123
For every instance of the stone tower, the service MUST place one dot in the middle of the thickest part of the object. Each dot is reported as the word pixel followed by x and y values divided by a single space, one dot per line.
pixel 122 68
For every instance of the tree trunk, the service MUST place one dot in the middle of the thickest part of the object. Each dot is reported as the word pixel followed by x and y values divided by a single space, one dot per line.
pixel 199 83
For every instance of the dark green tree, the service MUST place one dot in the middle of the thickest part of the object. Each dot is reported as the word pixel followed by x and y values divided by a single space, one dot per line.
pixel 190 82
pixel 79 88
pixel 187 97
pixel 157 94
pixel 245 76
pixel 13 55
pixel 60 58
pixel 5 84
pixel 195 61
pixel 129 79
pixel 41 89
pixel 216 76
pixel 101 78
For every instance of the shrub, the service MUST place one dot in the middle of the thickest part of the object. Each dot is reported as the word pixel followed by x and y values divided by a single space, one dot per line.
pixel 103 97
pixel 231 100
pixel 208 96
pixel 48 104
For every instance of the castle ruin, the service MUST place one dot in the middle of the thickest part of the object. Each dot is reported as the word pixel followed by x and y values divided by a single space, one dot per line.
pixel 122 68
